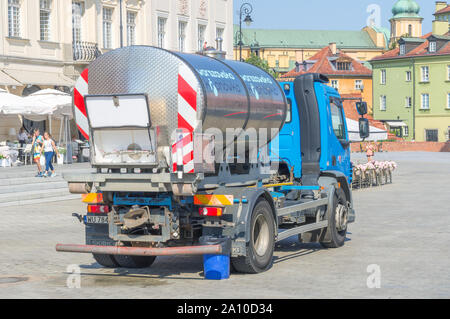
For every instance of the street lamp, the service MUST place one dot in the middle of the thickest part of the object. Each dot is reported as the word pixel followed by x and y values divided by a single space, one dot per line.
pixel 245 10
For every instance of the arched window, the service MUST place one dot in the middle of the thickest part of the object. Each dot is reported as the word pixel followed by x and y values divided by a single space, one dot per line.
pixel 410 30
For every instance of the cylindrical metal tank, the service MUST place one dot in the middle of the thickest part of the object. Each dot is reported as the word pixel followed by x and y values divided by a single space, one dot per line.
pixel 211 93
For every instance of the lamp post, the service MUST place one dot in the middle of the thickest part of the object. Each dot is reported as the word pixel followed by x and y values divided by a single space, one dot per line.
pixel 245 9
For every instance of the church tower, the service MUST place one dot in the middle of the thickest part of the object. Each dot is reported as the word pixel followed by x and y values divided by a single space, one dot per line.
pixel 406 20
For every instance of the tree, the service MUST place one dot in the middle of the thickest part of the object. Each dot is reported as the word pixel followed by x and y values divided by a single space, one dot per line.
pixel 260 63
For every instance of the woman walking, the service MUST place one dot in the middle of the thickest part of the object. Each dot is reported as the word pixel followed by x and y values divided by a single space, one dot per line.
pixel 49 151
pixel 37 150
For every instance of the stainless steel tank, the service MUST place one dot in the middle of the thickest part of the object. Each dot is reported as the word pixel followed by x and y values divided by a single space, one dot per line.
pixel 229 94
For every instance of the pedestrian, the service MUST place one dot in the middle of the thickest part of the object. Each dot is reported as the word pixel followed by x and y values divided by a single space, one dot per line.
pixel 49 151
pixel 370 152
pixel 37 143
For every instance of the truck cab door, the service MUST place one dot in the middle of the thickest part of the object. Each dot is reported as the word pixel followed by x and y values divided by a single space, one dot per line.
pixel 338 143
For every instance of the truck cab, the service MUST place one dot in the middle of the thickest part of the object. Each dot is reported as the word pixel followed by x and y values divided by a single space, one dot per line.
pixel 318 107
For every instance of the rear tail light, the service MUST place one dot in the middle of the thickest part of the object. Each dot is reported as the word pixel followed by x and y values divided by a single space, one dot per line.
pixel 210 211
pixel 98 209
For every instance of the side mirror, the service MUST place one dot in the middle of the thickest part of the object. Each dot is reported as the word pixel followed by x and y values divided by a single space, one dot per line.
pixel 361 107
pixel 364 130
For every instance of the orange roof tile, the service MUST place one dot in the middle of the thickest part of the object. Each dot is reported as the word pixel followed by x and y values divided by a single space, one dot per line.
pixel 324 66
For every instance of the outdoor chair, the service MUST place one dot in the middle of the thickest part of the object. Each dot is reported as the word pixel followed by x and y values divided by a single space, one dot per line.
pixel 27 153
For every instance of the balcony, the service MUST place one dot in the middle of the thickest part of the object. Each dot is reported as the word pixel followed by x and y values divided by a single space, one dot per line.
pixel 85 51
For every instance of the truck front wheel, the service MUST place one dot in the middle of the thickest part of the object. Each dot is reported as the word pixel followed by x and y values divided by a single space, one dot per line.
pixel 262 241
pixel 337 221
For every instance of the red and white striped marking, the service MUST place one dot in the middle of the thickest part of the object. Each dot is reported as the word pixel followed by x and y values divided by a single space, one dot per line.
pixel 80 90
pixel 183 146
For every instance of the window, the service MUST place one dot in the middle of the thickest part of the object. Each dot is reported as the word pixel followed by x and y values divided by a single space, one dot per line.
pixel 289 111
pixel 431 135
pixel 77 13
pixel 410 30
pixel 344 66
pixel 107 28
pixel 432 47
pixel 219 33
pixel 44 15
pixel 337 120
pixel 358 84
pixel 383 77
pixel 182 36
pixel 383 103
pixel 408 76
pixel 448 100
pixel 425 101
pixel 335 84
pixel 131 28
pixel 402 49
pixel 405 130
pixel 162 32
pixel 425 74
pixel 201 36
pixel 14 18
pixel 448 72
pixel 408 102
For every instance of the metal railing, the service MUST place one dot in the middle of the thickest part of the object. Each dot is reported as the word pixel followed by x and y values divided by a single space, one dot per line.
pixel 85 51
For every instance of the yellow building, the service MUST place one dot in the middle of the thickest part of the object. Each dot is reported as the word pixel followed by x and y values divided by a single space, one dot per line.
pixel 406 20
pixel 283 48
pixel 350 77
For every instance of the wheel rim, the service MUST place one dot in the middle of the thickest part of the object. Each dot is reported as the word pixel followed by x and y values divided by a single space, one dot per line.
pixel 261 235
pixel 341 217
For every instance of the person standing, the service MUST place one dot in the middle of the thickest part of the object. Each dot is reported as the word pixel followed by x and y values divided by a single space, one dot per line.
pixel 37 143
pixel 49 151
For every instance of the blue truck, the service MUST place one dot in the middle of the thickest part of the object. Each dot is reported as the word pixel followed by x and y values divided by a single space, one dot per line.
pixel 158 124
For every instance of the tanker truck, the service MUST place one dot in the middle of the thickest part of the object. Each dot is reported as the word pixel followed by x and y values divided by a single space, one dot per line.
pixel 195 155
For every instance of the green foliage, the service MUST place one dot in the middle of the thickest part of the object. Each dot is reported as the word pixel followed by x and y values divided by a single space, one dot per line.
pixel 262 64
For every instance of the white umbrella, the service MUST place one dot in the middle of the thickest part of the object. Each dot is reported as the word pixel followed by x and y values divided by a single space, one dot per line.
pixel 8 98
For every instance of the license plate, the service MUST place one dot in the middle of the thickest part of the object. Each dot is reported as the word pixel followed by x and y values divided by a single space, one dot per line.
pixel 96 219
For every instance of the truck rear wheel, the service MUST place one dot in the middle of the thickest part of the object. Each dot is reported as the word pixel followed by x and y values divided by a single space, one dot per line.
pixel 337 221
pixel 262 241
pixel 106 260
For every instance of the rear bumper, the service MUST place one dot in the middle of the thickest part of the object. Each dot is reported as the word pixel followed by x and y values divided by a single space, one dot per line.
pixel 142 251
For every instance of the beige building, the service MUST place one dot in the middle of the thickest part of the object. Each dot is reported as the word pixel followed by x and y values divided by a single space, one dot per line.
pixel 47 43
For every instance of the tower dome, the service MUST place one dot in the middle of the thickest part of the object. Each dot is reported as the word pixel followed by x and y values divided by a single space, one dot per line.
pixel 406 8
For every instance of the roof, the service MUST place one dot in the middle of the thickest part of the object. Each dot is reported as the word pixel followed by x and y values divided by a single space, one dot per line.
pixel 419 51
pixel 305 38
pixel 406 9
pixel 444 10
pixel 322 64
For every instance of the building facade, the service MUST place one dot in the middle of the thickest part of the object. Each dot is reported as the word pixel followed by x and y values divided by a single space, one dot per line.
pixel 412 88
pixel 411 85
pixel 283 48
pixel 405 21
pixel 48 43
pixel 441 23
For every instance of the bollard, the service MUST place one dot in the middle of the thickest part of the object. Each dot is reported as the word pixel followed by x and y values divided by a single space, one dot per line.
pixel 216 266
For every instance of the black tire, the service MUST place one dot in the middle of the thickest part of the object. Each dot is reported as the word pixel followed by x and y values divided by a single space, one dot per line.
pixel 259 251
pixel 106 260
pixel 335 238
pixel 127 261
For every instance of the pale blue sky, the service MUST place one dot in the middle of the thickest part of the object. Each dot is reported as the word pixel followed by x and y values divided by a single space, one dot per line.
pixel 324 14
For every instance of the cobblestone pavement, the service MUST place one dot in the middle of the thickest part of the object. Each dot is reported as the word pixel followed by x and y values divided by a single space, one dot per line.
pixel 403 228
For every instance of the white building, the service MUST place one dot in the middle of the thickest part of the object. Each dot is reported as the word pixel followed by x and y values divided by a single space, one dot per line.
pixel 47 43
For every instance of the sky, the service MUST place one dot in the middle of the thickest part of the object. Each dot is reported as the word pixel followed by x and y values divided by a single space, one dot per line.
pixel 324 14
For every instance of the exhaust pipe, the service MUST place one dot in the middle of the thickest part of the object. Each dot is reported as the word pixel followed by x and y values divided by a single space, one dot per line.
pixel 142 251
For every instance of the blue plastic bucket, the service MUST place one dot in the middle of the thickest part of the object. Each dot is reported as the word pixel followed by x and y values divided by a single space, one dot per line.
pixel 216 267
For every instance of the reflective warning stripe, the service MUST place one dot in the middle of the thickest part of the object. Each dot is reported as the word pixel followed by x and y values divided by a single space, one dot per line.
pixel 80 90
pixel 213 200
pixel 183 147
